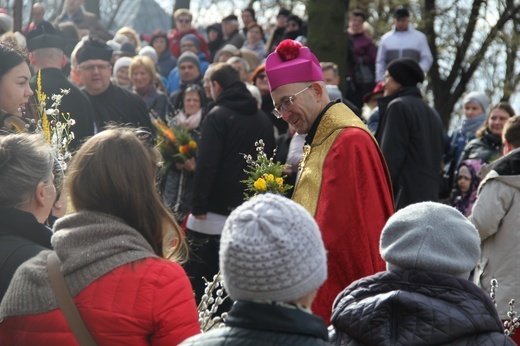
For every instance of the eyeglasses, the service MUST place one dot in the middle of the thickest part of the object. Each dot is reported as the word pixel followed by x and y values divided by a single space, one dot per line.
pixel 184 21
pixel 91 68
pixel 262 77
pixel 287 103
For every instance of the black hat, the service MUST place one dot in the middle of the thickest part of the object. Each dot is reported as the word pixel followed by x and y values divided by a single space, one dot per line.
pixel 250 10
pixel 295 18
pixel 127 49
pixel 159 34
pixel 284 12
pixel 94 49
pixel 406 72
pixel 401 11
pixel 230 17
pixel 45 35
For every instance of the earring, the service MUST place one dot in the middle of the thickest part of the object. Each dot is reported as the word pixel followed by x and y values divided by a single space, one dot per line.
pixel 19 109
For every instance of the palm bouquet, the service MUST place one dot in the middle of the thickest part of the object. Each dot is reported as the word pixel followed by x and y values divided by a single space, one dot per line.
pixel 53 124
pixel 263 174
pixel 175 144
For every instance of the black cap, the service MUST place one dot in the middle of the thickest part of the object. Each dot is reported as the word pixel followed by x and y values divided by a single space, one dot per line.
pixel 94 49
pixel 406 72
pixel 45 35
pixel 284 12
pixel 230 17
pixel 127 49
pixel 401 12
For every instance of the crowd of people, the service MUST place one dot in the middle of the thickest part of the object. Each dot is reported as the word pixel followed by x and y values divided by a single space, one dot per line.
pixel 392 233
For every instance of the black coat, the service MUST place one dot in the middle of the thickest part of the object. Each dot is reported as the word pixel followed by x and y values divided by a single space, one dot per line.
pixel 408 307
pixel 411 137
pixel 256 324
pixel 21 238
pixel 76 103
pixel 120 106
pixel 229 130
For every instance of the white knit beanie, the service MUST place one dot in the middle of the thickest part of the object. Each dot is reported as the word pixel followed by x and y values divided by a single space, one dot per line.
pixel 271 250
pixel 478 97
pixel 433 237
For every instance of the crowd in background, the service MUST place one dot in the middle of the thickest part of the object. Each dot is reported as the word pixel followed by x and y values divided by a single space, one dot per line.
pixel 222 86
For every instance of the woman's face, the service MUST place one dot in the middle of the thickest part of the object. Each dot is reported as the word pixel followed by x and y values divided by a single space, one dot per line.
pixel 224 56
pixel 254 35
pixel 140 77
pixel 497 119
pixel 122 76
pixel 15 89
pixel 262 83
pixel 472 109
pixel 212 35
pixel 159 44
pixel 191 102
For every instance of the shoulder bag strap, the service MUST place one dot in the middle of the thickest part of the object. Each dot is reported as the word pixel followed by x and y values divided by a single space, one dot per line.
pixel 65 302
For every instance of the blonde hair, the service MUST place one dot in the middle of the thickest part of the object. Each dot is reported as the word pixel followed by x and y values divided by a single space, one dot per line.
pixel 144 61
pixel 114 173
pixel 130 33
pixel 182 12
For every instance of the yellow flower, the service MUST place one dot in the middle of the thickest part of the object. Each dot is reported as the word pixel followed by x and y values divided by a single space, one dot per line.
pixel 279 181
pixel 269 177
pixel 192 145
pixel 183 149
pixel 260 184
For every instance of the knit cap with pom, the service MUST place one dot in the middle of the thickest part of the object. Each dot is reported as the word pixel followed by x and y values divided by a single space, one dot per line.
pixel 432 237
pixel 271 250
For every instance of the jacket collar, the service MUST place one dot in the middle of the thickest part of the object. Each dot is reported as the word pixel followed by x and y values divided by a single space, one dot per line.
pixel 276 318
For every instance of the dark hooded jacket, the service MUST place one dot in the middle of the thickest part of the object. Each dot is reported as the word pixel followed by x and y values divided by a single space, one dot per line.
pixel 487 148
pixel 409 307
pixel 230 130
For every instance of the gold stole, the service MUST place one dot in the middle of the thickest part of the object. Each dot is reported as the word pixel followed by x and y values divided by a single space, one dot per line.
pixel 307 190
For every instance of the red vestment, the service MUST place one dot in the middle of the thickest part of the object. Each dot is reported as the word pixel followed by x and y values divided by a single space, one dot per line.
pixel 344 184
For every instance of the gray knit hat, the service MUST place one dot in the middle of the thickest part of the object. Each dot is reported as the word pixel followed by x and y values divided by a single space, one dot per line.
pixel 432 237
pixel 271 250
pixel 477 97
pixel 188 56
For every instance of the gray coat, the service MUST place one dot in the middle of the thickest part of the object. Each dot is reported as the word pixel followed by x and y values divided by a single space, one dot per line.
pixel 496 215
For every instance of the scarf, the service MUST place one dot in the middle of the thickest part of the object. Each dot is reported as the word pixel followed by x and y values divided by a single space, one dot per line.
pixel 189 121
pixel 145 90
pixel 89 245
pixel 471 125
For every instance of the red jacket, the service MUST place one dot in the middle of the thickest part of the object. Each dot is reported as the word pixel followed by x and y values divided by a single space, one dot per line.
pixel 148 302
pixel 175 43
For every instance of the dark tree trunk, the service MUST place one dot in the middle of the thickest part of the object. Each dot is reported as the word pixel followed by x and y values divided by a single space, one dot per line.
pixel 17 15
pixel 326 32
pixel 447 91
